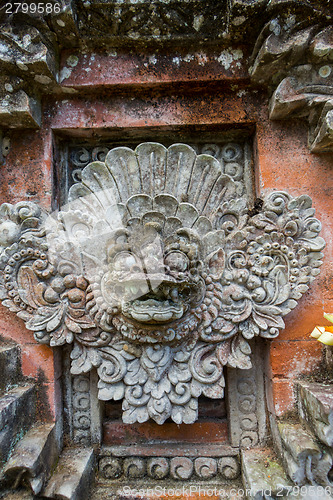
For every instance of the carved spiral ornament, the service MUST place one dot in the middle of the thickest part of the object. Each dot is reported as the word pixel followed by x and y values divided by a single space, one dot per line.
pixel 159 273
pixel 180 468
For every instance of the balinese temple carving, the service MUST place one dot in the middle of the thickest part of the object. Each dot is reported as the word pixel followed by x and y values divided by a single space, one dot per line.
pixel 295 61
pixel 159 272
pixel 291 46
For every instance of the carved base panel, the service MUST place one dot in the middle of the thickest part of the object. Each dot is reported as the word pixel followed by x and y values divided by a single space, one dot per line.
pixel 174 462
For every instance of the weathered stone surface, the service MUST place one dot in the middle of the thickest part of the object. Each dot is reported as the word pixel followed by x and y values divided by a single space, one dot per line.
pixel 10 368
pixel 134 467
pixel 145 490
pixel 246 403
pixel 170 450
pixel 17 412
pixel 29 67
pixel 315 404
pixel 19 495
pixel 263 475
pixel 296 63
pixel 33 458
pixel 321 138
pixel 110 467
pixel 301 454
pixel 19 110
pixel 73 476
pixel 174 289
pixel 25 49
pixel 181 468
pixel 158 468
pixel 31 42
pixel 169 461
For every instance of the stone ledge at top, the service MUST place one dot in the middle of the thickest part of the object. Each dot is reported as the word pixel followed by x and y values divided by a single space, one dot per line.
pixel 31 45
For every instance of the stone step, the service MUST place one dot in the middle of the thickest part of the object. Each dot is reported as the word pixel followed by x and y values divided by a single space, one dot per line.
pixel 10 365
pixel 304 461
pixel 73 476
pixel 263 476
pixel 33 458
pixel 17 412
pixel 315 407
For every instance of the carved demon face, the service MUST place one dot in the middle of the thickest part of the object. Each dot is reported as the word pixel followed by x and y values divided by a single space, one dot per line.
pixel 153 284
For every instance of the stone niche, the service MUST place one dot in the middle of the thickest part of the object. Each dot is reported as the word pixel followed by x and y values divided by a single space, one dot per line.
pixel 163 275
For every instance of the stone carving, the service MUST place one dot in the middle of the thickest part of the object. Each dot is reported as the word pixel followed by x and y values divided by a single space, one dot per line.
pixel 291 53
pixel 304 461
pixel 231 157
pixel 110 467
pixel 28 67
pixel 295 61
pixel 81 409
pixel 179 468
pixel 159 273
pixel 134 467
pixel 152 20
pixel 246 403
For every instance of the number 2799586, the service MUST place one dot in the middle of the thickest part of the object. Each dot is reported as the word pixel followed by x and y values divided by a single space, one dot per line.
pixel 32 8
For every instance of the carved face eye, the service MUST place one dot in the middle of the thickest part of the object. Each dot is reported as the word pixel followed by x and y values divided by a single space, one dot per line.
pixel 125 261
pixel 177 261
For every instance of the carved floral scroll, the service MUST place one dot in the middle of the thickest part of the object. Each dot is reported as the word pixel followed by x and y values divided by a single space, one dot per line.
pixel 159 273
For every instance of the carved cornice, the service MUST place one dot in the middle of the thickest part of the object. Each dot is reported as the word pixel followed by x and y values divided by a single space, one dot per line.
pixel 291 53
pixel 159 273
pixel 296 62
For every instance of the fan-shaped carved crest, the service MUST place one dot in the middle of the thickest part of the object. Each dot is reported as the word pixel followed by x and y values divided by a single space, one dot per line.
pixel 159 274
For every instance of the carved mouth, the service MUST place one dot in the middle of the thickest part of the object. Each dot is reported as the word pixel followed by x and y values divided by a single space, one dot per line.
pixel 152 310
pixel 153 299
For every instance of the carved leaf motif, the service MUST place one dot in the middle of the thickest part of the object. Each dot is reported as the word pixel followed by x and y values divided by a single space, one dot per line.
pixel 11 306
pixel 185 414
pixel 61 336
pixel 249 329
pixel 132 414
pixel 72 325
pixel 157 389
pixel 159 408
pixel 84 359
pixel 156 361
pixel 48 318
pixel 135 373
pixel 30 288
pixel 82 322
pixel 108 391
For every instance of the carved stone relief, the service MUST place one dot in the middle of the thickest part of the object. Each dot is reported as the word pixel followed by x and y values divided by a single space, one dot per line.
pixel 295 61
pixel 180 468
pixel 246 402
pixel 159 273
pixel 296 37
